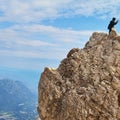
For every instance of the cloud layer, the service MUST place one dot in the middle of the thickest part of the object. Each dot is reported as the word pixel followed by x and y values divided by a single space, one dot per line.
pixel 39 41
pixel 27 36
pixel 38 10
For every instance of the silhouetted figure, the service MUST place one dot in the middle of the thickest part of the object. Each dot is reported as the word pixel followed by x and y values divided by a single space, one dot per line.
pixel 111 24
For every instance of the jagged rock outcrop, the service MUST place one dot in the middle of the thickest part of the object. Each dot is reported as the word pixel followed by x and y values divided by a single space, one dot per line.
pixel 86 85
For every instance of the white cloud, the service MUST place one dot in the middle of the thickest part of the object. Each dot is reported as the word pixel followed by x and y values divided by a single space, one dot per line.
pixel 27 39
pixel 57 34
pixel 54 33
pixel 38 10
pixel 11 37
pixel 53 54
pixel 21 41
pixel 34 43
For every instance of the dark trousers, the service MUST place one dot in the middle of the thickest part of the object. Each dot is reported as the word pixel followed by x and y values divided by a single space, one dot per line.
pixel 110 30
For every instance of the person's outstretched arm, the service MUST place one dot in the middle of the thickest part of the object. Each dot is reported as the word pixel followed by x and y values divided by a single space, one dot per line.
pixel 116 22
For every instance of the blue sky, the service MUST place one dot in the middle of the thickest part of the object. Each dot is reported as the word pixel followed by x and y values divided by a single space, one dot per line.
pixel 39 33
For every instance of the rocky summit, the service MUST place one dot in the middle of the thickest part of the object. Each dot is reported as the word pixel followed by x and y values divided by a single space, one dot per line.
pixel 86 85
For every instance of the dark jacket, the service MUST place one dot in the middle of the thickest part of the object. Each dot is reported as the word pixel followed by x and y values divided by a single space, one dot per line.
pixel 111 24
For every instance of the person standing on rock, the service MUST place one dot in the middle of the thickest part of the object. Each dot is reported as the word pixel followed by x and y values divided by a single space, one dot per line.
pixel 111 24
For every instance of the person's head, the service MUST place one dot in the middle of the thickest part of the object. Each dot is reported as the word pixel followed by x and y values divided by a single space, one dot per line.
pixel 113 18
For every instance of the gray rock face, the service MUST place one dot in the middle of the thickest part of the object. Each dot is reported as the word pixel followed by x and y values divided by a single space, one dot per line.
pixel 86 85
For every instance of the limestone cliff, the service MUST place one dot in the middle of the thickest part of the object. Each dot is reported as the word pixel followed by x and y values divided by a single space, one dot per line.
pixel 86 85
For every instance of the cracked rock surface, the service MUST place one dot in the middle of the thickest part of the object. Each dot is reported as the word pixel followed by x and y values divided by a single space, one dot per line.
pixel 86 85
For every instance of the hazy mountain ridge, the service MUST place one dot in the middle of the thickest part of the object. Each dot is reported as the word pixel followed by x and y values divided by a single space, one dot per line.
pixel 17 100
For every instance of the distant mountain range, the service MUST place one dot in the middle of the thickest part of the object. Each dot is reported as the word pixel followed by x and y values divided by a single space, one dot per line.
pixel 16 101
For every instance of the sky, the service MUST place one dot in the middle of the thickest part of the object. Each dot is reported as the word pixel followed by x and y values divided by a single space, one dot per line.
pixel 35 34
